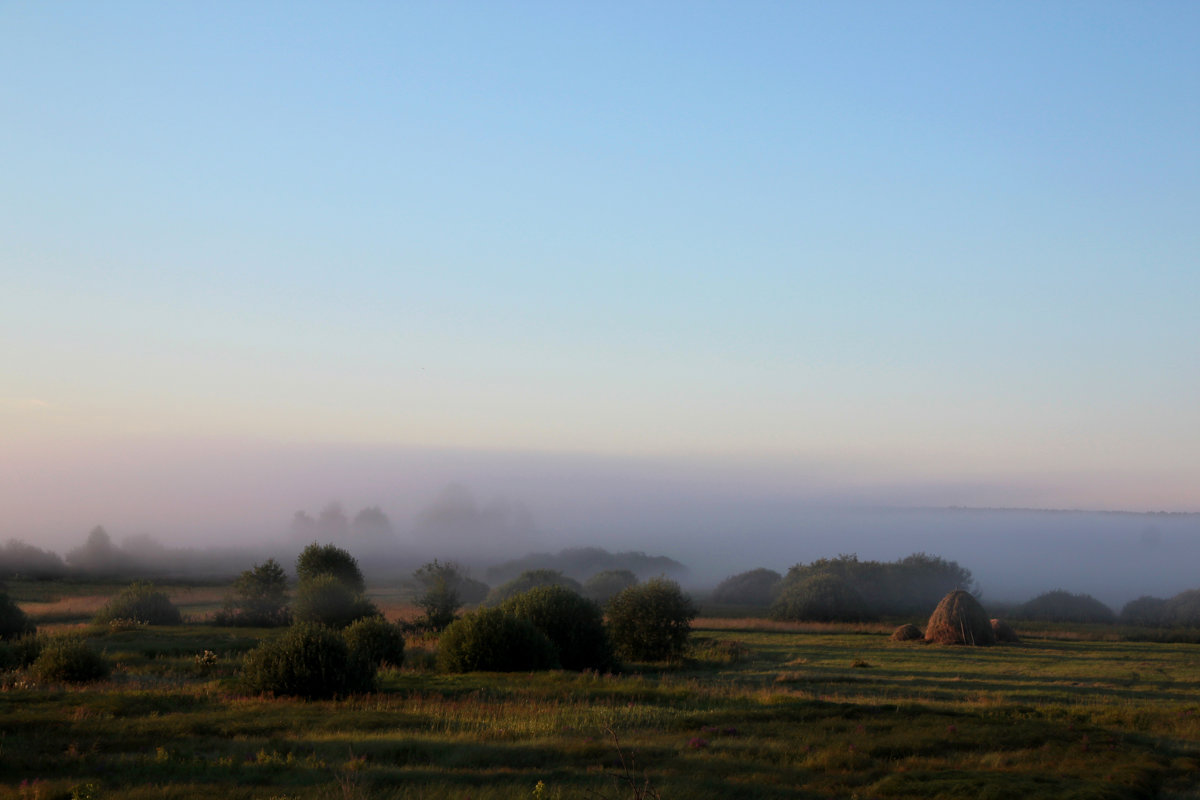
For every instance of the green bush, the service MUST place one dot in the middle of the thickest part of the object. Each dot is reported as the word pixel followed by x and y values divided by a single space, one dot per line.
pixel 573 624
pixel 651 622
pixel 317 560
pixel 325 600
pixel 69 659
pixel 531 579
pixel 13 622
pixel 259 598
pixel 820 598
pixel 754 588
pixel 494 641
pixel 1060 606
pixel 377 640
pixel 604 586
pixel 21 652
pixel 141 602
pixel 310 661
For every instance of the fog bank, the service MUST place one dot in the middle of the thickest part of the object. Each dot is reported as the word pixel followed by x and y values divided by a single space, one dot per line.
pixel 717 516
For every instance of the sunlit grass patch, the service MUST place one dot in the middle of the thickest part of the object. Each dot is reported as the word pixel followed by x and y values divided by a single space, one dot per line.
pixel 785 713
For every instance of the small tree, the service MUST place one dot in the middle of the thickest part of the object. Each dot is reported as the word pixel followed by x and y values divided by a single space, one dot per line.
pixel 259 597
pixel 651 622
pixel 329 559
pixel 440 599
pixel 325 600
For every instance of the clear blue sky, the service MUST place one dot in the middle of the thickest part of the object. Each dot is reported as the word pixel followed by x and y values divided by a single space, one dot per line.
pixel 923 241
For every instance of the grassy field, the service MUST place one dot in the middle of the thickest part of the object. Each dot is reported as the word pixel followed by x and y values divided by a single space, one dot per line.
pixel 760 710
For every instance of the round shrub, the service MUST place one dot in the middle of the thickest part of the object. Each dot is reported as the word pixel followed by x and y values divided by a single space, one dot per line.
pixel 325 600
pixel 820 598
pixel 1060 606
pixel 376 640
pixel 494 641
pixel 13 622
pixel 316 560
pixel 140 602
pixel 754 588
pixel 310 661
pixel 651 622
pixel 573 624
pixel 69 659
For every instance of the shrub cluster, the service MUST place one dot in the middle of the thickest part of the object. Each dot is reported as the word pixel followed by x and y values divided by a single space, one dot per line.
pixel 651 622
pixel 68 659
pixel 912 585
pixel 141 602
pixel 309 661
pixel 493 640
pixel 21 652
pixel 572 623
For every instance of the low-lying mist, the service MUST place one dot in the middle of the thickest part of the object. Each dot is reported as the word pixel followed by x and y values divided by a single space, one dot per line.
pixel 213 507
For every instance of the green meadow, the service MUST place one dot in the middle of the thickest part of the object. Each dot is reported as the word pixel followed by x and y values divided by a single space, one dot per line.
pixel 758 710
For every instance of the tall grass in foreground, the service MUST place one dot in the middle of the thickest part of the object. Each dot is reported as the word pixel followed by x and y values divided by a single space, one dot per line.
pixel 753 711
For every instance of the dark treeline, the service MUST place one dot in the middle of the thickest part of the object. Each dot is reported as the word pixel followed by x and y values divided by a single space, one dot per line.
pixel 848 589
pixel 582 563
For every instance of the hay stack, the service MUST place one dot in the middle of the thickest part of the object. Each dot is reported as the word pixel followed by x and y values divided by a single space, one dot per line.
pixel 1004 632
pixel 907 633
pixel 959 619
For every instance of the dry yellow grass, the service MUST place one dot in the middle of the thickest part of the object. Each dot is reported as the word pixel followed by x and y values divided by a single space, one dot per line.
pixel 76 606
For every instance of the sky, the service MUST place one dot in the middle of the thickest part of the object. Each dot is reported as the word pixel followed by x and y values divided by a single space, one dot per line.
pixel 919 253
